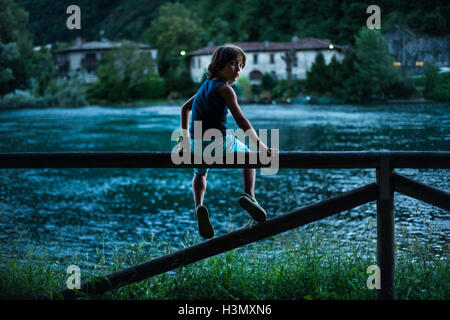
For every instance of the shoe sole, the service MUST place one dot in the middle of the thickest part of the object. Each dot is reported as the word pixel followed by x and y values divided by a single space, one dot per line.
pixel 255 211
pixel 204 224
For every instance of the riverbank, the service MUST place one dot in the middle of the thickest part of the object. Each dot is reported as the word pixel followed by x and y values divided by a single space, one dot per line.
pixel 181 101
pixel 306 267
pixel 317 101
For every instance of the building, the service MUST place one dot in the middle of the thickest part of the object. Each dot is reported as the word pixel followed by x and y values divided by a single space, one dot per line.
pixel 85 56
pixel 283 60
pixel 411 51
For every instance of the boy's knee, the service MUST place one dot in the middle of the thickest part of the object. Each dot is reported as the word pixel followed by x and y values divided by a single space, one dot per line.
pixel 202 175
pixel 199 177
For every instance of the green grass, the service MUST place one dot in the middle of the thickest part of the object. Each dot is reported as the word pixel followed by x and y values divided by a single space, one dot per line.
pixel 289 266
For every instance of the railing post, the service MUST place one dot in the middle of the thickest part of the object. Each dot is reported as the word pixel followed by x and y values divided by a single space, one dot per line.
pixel 385 227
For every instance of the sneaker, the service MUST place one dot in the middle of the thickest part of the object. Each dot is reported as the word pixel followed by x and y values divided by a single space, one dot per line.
pixel 249 204
pixel 204 225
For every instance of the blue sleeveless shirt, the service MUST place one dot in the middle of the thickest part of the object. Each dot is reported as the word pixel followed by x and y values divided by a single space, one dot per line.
pixel 209 107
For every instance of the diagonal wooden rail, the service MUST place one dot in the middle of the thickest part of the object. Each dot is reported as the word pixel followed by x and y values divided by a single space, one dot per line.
pixel 230 241
pixel 382 191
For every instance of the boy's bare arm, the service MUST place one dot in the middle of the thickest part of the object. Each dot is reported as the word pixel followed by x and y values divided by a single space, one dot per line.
pixel 230 97
pixel 185 112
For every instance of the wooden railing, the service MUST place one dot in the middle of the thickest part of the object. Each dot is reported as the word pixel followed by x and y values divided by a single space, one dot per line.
pixel 381 191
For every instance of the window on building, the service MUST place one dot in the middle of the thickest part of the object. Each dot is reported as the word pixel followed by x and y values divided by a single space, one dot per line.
pixel 90 56
pixel 295 63
pixel 255 59
pixel 272 58
pixel 198 63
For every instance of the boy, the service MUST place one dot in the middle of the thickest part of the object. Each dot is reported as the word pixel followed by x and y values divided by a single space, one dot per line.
pixel 210 106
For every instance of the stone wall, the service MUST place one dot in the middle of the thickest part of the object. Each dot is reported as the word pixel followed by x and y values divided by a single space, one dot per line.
pixel 408 48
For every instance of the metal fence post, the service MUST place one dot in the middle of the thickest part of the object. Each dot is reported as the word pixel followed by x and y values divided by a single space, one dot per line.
pixel 385 227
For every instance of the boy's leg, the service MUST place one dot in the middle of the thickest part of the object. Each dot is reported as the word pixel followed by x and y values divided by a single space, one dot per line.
pixel 249 177
pixel 248 174
pixel 250 204
pixel 205 228
pixel 199 188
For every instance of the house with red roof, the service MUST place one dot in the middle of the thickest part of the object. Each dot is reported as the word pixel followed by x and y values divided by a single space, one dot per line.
pixel 283 60
pixel 84 57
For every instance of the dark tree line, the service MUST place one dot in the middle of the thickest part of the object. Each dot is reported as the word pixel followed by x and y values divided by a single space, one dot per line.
pixel 230 20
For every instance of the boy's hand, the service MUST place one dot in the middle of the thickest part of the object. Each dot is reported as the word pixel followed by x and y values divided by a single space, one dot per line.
pixel 271 151
pixel 268 151
pixel 183 145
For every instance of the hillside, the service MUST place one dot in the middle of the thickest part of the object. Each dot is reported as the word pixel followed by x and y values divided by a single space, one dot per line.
pixel 118 19
pixel 225 20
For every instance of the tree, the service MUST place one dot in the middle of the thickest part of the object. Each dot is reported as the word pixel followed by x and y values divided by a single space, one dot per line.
pixel 317 79
pixel 335 74
pixel 8 53
pixel 42 70
pixel 289 58
pixel 244 87
pixel 125 73
pixel 373 64
pixel 179 81
pixel 175 29
pixel 219 31
pixel 13 33
pixel 437 87
pixel 431 77
pixel 344 80
pixel 268 82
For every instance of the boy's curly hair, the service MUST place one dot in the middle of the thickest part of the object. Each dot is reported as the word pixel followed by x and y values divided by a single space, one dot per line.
pixel 222 55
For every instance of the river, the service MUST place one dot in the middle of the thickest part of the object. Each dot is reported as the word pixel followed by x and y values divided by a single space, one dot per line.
pixel 74 211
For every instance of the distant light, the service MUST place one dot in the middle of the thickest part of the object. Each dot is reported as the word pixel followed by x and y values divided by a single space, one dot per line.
pixel 397 63
pixel 331 46
pixel 419 63
pixel 182 52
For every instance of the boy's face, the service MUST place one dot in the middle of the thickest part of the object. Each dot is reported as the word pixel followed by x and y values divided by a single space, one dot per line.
pixel 232 70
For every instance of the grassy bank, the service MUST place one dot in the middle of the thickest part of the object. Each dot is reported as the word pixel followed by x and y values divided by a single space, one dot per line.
pixel 294 266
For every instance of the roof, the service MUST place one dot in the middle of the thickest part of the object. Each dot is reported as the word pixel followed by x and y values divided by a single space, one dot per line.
pixel 301 44
pixel 97 45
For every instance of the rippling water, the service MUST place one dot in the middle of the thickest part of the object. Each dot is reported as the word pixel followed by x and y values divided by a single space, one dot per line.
pixel 78 210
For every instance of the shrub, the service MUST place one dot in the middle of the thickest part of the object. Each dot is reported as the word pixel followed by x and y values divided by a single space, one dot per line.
pixel 125 74
pixel 402 88
pixel 265 96
pixel 431 77
pixel 440 92
pixel 21 99
pixel 437 86
pixel 179 79
pixel 287 89
pixel 317 79
pixel 66 92
pixel 244 87
pixel 268 82
pixel 152 88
